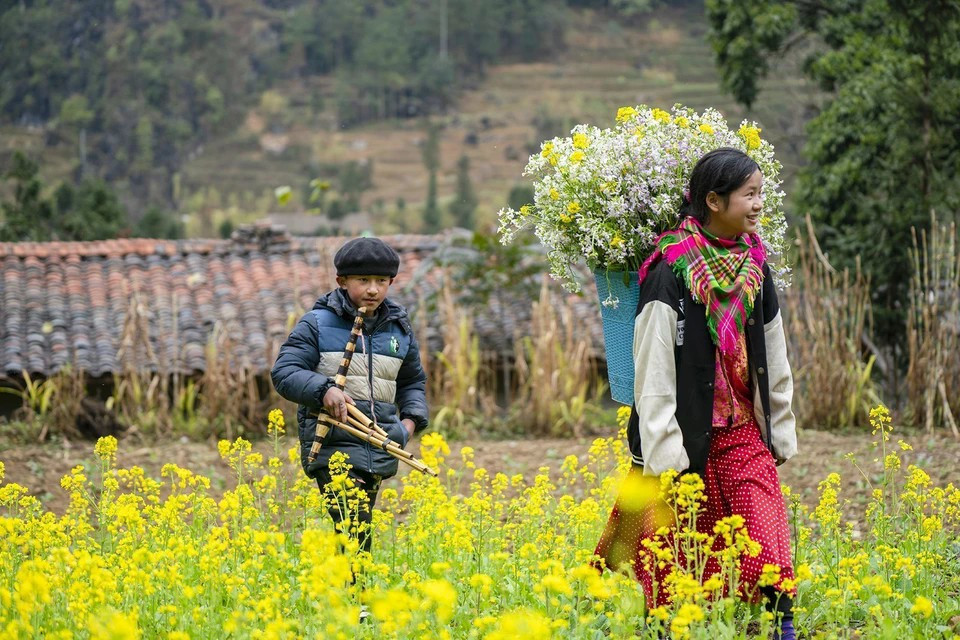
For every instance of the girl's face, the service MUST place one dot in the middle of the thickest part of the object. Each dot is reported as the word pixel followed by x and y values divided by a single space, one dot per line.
pixel 740 213
pixel 366 291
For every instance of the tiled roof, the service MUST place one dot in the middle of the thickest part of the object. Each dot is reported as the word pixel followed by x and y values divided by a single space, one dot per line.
pixel 66 302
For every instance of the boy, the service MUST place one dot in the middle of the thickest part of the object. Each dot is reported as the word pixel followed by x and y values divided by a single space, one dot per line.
pixel 385 379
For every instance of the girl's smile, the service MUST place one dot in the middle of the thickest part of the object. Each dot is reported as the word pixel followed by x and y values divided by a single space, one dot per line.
pixel 741 211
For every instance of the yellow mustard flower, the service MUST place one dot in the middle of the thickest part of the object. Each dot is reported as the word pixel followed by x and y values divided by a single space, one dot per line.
pixel 625 113
pixel 106 448
pixel 751 136
pixel 922 606
pixel 276 423
pixel 521 623
pixel 661 116
pixel 113 625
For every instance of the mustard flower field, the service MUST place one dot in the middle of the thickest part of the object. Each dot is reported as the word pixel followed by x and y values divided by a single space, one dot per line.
pixel 471 554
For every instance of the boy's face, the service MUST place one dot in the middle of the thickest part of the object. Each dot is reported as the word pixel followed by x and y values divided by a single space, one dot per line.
pixel 366 291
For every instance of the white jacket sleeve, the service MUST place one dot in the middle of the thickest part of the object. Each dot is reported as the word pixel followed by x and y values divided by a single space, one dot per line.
pixel 783 430
pixel 655 389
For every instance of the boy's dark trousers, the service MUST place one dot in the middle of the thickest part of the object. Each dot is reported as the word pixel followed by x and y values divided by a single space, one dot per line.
pixel 370 484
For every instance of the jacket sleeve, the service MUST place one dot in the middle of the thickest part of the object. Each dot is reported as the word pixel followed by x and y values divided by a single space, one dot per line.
pixel 655 389
pixel 411 388
pixel 294 373
pixel 783 423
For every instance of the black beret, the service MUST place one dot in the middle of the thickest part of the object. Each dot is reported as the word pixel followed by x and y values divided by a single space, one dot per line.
pixel 366 257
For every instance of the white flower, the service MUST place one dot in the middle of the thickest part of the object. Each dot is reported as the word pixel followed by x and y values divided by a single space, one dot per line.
pixel 604 195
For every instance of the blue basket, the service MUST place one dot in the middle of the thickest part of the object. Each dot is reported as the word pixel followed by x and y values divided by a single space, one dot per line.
pixel 618 329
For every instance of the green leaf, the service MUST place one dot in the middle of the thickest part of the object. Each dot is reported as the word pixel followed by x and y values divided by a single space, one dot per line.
pixel 283 194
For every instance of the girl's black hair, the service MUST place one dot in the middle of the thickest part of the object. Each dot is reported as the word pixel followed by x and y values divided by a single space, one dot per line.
pixel 722 171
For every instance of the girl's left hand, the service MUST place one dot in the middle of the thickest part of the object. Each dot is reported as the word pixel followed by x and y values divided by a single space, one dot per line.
pixel 409 426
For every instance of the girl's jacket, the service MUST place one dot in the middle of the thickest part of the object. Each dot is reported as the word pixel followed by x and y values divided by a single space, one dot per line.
pixel 386 360
pixel 675 364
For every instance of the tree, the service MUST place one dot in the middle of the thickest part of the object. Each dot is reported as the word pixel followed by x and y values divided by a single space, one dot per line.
pixel 75 114
pixel 157 223
pixel 520 195
pixel 885 146
pixel 430 151
pixel 355 178
pixel 431 212
pixel 28 216
pixel 431 160
pixel 465 201
pixel 88 211
pixel 50 51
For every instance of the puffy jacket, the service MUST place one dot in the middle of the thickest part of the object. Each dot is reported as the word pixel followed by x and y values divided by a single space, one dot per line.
pixel 675 363
pixel 386 360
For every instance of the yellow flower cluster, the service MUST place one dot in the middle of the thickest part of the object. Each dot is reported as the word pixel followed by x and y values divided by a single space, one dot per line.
pixel 474 554
pixel 750 135
pixel 901 563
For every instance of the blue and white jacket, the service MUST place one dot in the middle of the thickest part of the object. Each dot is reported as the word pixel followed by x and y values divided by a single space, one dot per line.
pixel 386 360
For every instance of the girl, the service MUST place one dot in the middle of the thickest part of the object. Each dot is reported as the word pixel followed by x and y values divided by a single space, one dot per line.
pixel 713 387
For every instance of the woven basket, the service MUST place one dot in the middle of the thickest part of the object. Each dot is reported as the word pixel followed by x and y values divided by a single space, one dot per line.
pixel 618 329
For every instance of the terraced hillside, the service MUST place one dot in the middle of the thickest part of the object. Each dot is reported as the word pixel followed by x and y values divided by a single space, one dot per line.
pixel 662 59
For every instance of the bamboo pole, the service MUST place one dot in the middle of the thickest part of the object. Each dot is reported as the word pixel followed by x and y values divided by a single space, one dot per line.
pixel 363 419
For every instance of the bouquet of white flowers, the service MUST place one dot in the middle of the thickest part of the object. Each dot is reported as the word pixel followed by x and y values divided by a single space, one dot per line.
pixel 604 195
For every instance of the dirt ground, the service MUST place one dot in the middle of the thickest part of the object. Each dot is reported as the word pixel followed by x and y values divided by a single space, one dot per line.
pixel 40 467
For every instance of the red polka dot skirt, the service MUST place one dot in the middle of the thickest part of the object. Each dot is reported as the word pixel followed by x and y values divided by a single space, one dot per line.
pixel 740 478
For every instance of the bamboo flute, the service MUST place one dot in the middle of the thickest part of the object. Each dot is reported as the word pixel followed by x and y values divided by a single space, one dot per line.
pixel 366 428
pixel 389 446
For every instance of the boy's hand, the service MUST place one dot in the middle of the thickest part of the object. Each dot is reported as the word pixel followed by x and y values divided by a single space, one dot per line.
pixel 335 402
pixel 409 425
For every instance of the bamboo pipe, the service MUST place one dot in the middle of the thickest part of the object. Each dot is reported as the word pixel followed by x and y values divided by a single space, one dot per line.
pixel 366 428
pixel 354 411
pixel 387 445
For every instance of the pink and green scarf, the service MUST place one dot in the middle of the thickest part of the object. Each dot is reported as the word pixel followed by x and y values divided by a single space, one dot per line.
pixel 724 275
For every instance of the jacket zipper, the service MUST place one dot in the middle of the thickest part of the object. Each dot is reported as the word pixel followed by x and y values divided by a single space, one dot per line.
pixel 373 401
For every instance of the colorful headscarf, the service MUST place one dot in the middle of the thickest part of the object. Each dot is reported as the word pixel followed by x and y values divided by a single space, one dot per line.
pixel 724 275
